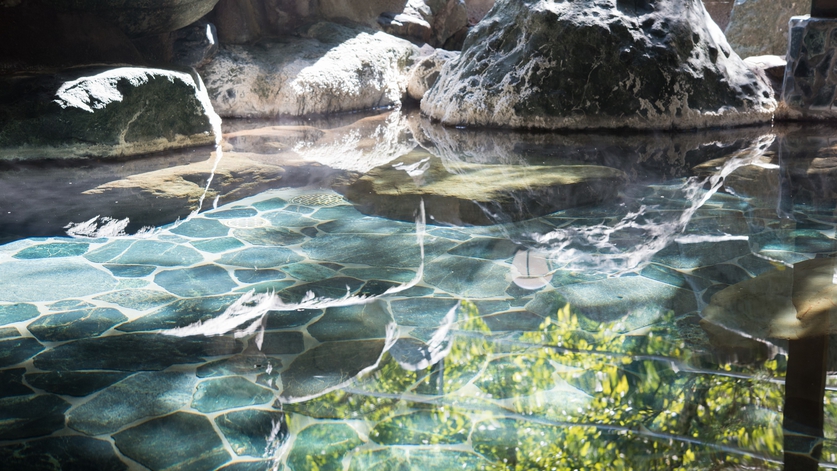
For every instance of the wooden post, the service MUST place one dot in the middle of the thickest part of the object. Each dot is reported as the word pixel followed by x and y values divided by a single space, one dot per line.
pixel 803 413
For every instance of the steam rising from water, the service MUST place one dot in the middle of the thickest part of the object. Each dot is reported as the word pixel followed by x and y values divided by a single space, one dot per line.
pixel 630 244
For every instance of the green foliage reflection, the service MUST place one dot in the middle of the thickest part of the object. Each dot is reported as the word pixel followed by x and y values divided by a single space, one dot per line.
pixel 571 395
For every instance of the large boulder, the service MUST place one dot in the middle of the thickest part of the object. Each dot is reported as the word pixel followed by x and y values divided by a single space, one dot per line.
pixel 760 27
pixel 334 69
pixel 426 71
pixel 103 113
pixel 141 17
pixel 598 64
pixel 430 21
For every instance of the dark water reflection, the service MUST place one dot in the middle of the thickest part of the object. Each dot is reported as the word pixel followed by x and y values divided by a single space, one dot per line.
pixel 647 323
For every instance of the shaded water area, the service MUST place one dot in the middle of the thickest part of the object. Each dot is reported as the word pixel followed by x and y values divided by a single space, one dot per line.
pixel 298 321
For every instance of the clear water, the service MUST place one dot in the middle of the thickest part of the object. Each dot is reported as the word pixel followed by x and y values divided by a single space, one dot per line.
pixel 567 341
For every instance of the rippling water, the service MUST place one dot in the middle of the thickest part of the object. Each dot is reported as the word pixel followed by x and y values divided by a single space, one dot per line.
pixel 587 301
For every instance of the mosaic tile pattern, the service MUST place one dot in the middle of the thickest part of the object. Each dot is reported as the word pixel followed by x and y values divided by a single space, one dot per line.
pixel 93 379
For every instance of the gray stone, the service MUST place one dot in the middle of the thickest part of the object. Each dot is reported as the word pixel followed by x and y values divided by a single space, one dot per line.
pixel 103 113
pixel 428 21
pixel 67 453
pixel 139 299
pixel 31 416
pixel 136 397
pixel 365 321
pixel 8 332
pixel 248 430
pixel 198 281
pixel 11 313
pixel 12 381
pixel 131 352
pixel 75 324
pixel 73 383
pixel 424 74
pixel 70 305
pixel 16 350
pixel 227 393
pixel 260 257
pixel 760 27
pixel 332 68
pixel 50 280
pixel 476 193
pixel 160 444
pixel 327 366
pixel 589 64
pixel 181 313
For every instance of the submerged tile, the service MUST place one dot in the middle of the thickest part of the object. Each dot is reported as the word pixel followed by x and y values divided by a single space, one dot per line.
pixel 272 203
pixel 396 250
pixel 109 250
pixel 139 299
pixel 55 250
pixel 267 287
pixel 364 321
pixel 517 320
pixel 270 236
pixel 258 276
pixel 51 280
pixel 198 281
pixel 486 248
pixel 260 257
pixel 328 365
pixel 160 444
pixel 218 394
pixel 289 219
pixel 231 213
pixel 130 271
pixel 723 273
pixel 224 244
pixel 12 313
pixel 330 288
pixel 309 271
pixel 239 365
pixel 69 383
pixel 283 343
pixel 66 453
pixel 162 254
pixel 31 416
pixel 265 465
pixel 8 332
pixel 288 319
pixel 247 431
pixel 389 274
pixel 12 383
pixel 323 446
pixel 468 277
pixel 181 313
pixel 422 312
pixel 132 352
pixel 136 397
pixel 75 324
pixel 16 350
pixel 70 305
pixel 200 228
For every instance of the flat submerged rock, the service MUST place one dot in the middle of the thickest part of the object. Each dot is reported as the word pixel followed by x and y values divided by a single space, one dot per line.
pixel 478 194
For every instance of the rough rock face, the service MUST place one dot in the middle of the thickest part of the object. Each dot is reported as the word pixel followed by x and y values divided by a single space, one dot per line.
pixel 760 27
pixel 425 73
pixel 430 21
pixel 141 17
pixel 103 113
pixel 598 64
pixel 334 69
